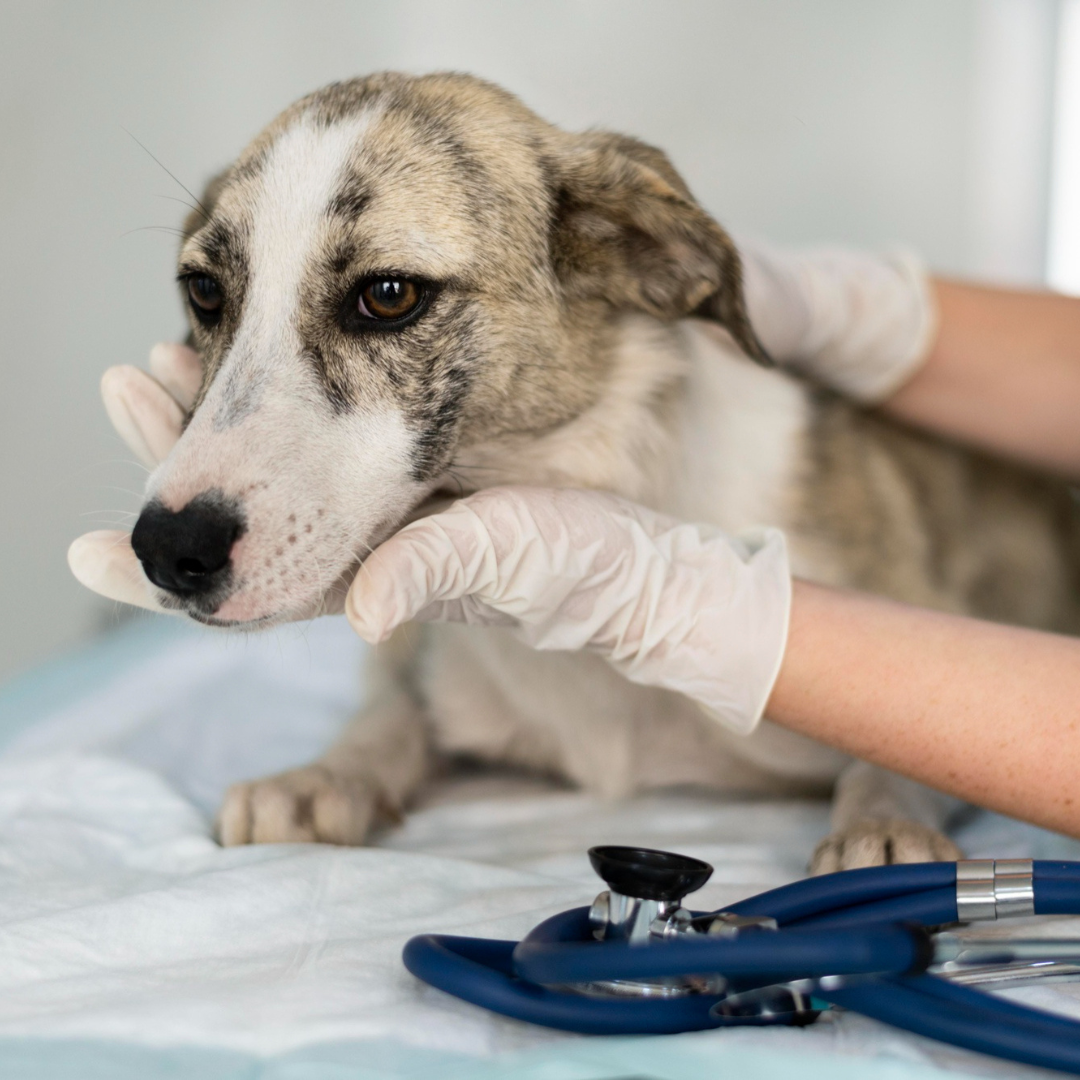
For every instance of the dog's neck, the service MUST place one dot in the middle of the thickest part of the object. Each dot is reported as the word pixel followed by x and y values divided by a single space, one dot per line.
pixel 681 422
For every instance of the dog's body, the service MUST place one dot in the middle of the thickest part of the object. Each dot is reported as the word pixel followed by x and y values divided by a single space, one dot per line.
pixel 580 323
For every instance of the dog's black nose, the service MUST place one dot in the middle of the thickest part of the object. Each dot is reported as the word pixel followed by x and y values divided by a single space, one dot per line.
pixel 187 552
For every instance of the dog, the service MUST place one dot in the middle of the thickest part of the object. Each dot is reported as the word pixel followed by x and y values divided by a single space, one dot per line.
pixel 408 288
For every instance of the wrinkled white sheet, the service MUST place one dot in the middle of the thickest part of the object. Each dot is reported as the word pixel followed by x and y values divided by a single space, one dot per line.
pixel 121 918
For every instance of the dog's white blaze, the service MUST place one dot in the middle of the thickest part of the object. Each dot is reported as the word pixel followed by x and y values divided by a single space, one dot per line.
pixel 303 170
pixel 299 179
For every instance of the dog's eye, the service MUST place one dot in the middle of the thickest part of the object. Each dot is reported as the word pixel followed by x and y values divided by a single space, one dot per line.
pixel 384 302
pixel 388 298
pixel 205 295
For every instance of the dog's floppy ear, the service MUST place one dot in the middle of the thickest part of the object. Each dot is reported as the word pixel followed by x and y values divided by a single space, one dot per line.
pixel 627 229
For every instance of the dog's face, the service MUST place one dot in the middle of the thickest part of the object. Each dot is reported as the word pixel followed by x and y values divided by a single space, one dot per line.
pixel 395 269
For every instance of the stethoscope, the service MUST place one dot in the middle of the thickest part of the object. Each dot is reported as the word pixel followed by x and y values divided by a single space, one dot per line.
pixel 637 962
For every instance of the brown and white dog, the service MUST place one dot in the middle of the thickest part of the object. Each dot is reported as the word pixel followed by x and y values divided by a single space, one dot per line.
pixel 411 286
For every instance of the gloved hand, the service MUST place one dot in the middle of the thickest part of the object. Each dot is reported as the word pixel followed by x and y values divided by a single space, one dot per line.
pixel 678 606
pixel 860 323
pixel 148 413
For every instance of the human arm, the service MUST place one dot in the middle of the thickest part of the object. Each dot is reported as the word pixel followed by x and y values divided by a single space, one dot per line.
pixel 986 712
pixel 1003 374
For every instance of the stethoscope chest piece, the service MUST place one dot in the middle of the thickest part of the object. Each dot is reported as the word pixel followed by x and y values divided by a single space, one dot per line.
pixel 642 904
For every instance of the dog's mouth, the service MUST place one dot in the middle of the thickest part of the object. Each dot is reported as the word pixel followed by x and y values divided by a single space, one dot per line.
pixel 260 623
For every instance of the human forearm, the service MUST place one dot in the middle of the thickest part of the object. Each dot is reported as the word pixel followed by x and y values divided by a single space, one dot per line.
pixel 1003 374
pixel 986 712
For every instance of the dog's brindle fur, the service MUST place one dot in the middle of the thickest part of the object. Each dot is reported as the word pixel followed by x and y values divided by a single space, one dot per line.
pixel 586 328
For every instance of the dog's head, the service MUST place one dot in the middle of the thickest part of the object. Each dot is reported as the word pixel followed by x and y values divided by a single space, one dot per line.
pixel 395 269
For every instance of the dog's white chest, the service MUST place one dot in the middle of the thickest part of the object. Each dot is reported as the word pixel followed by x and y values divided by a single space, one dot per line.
pixel 739 436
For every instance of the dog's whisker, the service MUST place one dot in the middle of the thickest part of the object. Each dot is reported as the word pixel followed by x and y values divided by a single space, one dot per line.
pixel 153 228
pixel 485 468
pixel 457 480
pixel 177 199
pixel 321 589
pixel 119 542
pixel 111 513
pixel 76 474
pixel 202 209
pixel 116 461
pixel 125 491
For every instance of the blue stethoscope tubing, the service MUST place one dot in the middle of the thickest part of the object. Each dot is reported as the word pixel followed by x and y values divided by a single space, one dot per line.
pixel 861 923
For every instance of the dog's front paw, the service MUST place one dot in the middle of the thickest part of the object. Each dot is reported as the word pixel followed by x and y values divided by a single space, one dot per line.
pixel 881 843
pixel 302 805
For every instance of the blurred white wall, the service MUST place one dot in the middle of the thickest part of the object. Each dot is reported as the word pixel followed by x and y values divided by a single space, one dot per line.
pixel 914 121
pixel 1063 262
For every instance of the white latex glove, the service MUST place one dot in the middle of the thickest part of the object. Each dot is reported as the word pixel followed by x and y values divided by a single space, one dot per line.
pixel 678 606
pixel 148 413
pixel 860 323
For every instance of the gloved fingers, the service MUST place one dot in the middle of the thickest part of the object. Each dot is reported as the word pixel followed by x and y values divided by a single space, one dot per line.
pixel 469 610
pixel 439 558
pixel 179 370
pixel 443 611
pixel 144 414
pixel 105 563
pixel 514 555
pixel 681 606
pixel 859 322
pixel 776 300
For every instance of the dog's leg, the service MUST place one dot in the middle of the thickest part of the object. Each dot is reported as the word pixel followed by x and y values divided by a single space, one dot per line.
pixel 381 758
pixel 880 818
